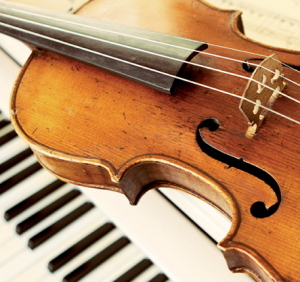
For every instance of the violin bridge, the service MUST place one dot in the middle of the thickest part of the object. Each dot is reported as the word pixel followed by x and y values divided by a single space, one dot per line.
pixel 263 89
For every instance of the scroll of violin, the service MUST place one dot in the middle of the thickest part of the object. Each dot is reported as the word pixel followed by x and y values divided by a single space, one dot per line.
pixel 131 95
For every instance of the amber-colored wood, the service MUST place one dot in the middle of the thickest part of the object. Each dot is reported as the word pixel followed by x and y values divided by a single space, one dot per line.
pixel 92 128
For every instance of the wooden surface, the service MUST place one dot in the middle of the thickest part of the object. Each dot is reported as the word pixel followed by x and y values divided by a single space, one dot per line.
pixel 94 129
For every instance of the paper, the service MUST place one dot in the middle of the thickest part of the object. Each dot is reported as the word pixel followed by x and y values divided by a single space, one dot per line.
pixel 66 5
pixel 275 23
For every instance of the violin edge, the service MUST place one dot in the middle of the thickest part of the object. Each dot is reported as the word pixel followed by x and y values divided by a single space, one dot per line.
pixel 236 270
pixel 240 258
pixel 112 178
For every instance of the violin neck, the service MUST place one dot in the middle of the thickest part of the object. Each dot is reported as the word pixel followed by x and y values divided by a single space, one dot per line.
pixel 151 58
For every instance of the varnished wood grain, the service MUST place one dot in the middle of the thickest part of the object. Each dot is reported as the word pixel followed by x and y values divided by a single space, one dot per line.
pixel 95 129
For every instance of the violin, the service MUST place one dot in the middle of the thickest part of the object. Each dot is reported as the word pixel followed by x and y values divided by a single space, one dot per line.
pixel 129 96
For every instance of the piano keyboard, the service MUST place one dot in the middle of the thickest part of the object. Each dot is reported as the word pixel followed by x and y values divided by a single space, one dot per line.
pixel 52 231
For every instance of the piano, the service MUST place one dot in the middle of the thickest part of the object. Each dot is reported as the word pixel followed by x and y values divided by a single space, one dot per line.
pixel 53 231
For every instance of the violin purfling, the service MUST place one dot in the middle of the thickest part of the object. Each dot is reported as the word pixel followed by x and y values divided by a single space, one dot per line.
pixel 93 128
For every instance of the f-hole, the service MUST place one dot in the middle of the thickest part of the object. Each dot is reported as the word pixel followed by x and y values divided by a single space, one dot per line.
pixel 258 209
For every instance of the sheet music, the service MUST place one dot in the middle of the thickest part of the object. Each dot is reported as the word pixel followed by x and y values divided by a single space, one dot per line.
pixel 66 5
pixel 275 23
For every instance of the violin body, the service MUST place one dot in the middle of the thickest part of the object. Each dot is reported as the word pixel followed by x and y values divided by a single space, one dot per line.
pixel 92 128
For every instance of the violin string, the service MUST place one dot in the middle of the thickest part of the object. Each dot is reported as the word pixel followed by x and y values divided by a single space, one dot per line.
pixel 238 50
pixel 171 58
pixel 286 78
pixel 162 43
pixel 255 65
pixel 156 54
pixel 163 73
pixel 252 64
pixel 157 71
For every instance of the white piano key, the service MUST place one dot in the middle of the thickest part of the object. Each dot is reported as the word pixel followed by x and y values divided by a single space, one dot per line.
pixel 45 223
pixel 166 236
pixel 11 249
pixel 42 203
pixel 215 224
pixel 26 187
pixel 58 244
pixel 117 265
pixel 8 75
pixel 6 129
pixel 87 254
pixel 6 232
pixel 11 148
pixel 2 116
pixel 11 225
pixel 16 265
pixel 15 195
pixel 17 168
pixel 148 274
pixel 27 257
pixel 15 48
pixel 54 217
pixel 8 227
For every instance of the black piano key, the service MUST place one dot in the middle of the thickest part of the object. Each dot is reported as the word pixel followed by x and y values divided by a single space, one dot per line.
pixel 31 200
pixel 7 137
pixel 79 247
pixel 14 180
pixel 135 271
pixel 51 230
pixel 95 261
pixel 15 160
pixel 159 278
pixel 46 211
pixel 3 123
